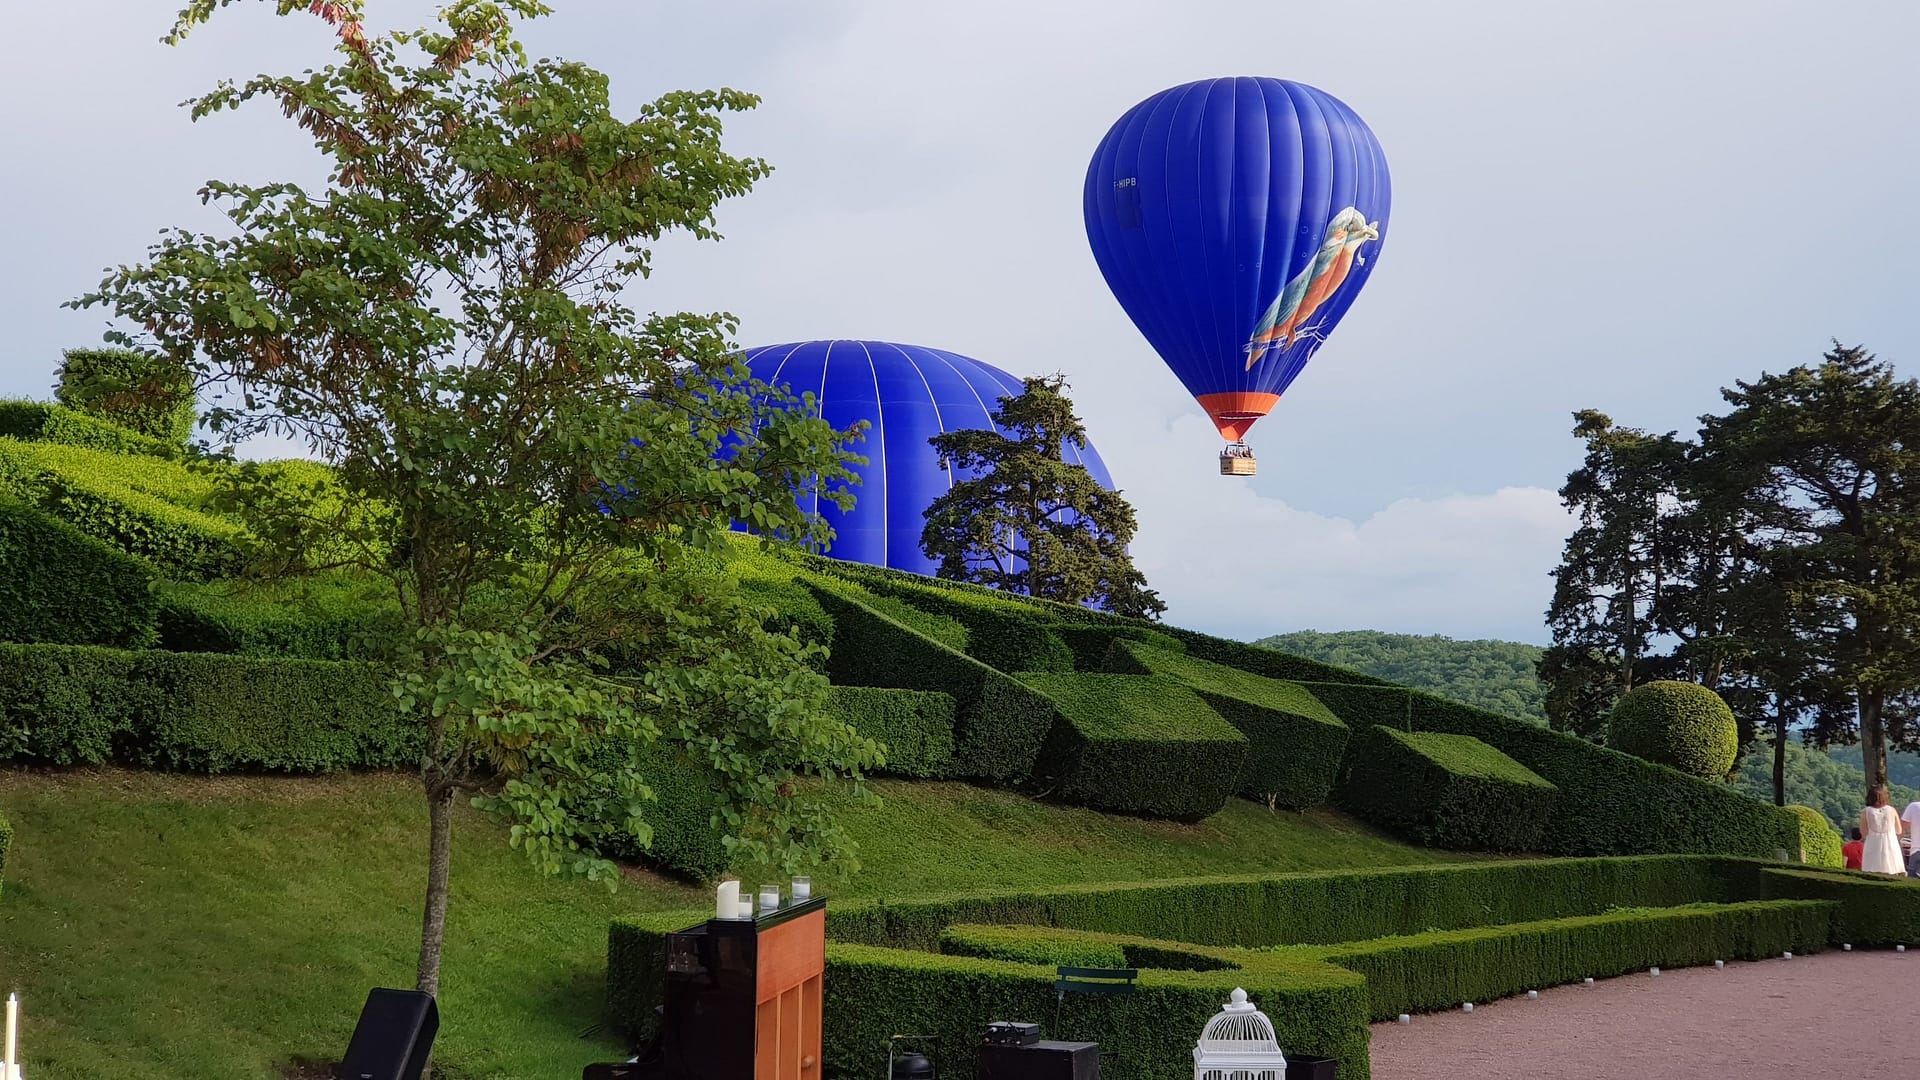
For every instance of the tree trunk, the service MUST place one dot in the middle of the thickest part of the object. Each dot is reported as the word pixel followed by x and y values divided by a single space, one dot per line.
pixel 1873 737
pixel 433 928
pixel 1780 759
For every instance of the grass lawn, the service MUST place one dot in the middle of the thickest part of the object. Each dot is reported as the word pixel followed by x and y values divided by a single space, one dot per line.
pixel 207 928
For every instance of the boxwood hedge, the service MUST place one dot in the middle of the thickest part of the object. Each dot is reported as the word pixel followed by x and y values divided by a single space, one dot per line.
pixel 1874 910
pixel 140 505
pixel 1819 844
pixel 999 723
pixel 915 726
pixel 1137 744
pixel 39 421
pixel 1609 804
pixel 74 704
pixel 325 618
pixel 79 590
pixel 1295 743
pixel 1447 791
pixel 145 392
pixel 685 840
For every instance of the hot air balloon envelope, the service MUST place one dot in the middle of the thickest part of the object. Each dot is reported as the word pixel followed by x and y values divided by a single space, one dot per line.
pixel 1235 220
pixel 907 394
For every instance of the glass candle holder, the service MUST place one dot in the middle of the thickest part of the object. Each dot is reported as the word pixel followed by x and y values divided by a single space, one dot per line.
pixel 802 889
pixel 769 898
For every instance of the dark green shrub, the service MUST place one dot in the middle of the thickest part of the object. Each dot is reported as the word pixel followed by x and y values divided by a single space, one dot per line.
pixel 915 726
pixel 1090 644
pixel 327 618
pixel 138 504
pixel 1449 791
pixel 39 421
pixel 792 608
pixel 1819 844
pixel 1615 804
pixel 999 722
pixel 1294 743
pixel 1021 946
pixel 685 840
pixel 144 393
pixel 1439 970
pixel 64 587
pixel 1874 910
pixel 1679 724
pixel 69 705
pixel 1362 707
pixel 1137 744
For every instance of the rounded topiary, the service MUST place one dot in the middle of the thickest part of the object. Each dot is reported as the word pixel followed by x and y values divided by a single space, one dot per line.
pixel 1819 844
pixel 1681 724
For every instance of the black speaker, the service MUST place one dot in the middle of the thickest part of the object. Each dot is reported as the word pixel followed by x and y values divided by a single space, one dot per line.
pixel 1040 1061
pixel 393 1038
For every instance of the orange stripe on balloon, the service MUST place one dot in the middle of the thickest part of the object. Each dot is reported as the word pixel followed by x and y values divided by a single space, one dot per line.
pixel 1235 411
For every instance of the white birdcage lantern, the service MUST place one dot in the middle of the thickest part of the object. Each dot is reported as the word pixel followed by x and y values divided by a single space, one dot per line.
pixel 1238 1044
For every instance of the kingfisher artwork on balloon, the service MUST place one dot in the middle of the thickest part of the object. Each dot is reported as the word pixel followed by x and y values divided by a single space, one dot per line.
pixel 1236 220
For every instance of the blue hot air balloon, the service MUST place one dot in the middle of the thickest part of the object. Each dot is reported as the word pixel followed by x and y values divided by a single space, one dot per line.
pixel 1235 220
pixel 907 394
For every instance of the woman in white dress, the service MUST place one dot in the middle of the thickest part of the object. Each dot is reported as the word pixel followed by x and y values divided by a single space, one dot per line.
pixel 1880 824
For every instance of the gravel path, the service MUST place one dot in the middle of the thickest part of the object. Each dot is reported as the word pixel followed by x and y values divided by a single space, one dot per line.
pixel 1772 1020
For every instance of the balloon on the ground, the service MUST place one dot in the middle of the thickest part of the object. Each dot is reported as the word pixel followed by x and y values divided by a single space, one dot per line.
pixel 907 394
pixel 1236 220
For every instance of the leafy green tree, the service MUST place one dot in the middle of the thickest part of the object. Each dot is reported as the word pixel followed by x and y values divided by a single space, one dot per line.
pixel 534 467
pixel 1613 569
pixel 1825 463
pixel 1029 521
pixel 1829 784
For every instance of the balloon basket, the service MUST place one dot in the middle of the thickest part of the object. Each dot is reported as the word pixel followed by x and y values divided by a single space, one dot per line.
pixel 1237 460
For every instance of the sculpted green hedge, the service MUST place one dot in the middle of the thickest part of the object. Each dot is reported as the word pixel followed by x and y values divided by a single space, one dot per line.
pixel 1610 803
pixel 63 587
pixel 915 726
pixel 80 705
pixel 39 421
pixel 326 618
pixel 1679 724
pixel 138 504
pixel 1137 744
pixel 142 392
pixel 999 722
pixel 1295 743
pixel 1449 791
pixel 1819 844
pixel 1874 910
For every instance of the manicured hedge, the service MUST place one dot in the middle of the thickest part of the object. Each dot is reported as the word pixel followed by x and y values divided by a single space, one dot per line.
pixel 1447 791
pixel 685 840
pixel 1137 744
pixel 999 722
pixel 143 392
pixel 1675 723
pixel 1295 743
pixel 325 619
pixel 1610 803
pixel 39 421
pixel 1003 635
pixel 1440 970
pixel 1263 661
pixel 1819 844
pixel 792 609
pixel 915 726
pixel 1020 945
pixel 138 504
pixel 1091 644
pixel 1874 910
pixel 64 587
pixel 69 705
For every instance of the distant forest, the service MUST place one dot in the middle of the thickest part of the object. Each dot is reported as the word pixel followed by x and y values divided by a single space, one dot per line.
pixel 1499 676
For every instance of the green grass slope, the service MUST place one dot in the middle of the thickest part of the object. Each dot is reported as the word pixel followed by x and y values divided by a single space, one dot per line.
pixel 171 926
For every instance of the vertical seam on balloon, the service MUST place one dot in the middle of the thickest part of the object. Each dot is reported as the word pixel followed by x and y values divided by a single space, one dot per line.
pixel 782 365
pixel 933 399
pixel 1166 166
pixel 880 422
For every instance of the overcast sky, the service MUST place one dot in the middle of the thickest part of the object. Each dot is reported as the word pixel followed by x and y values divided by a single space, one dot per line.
pixel 1620 205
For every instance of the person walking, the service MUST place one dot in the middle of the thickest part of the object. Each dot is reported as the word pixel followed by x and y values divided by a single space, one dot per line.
pixel 1882 825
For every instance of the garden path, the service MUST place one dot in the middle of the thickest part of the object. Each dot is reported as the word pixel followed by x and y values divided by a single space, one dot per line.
pixel 1771 1020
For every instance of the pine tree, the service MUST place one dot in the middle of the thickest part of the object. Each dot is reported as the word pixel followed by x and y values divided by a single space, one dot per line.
pixel 1027 520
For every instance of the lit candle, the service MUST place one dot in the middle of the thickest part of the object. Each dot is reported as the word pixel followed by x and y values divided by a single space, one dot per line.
pixel 769 898
pixel 745 910
pixel 726 904
pixel 13 1035
pixel 802 889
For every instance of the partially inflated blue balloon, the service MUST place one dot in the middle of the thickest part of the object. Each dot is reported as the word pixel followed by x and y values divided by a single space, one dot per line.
pixel 1235 220
pixel 907 394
